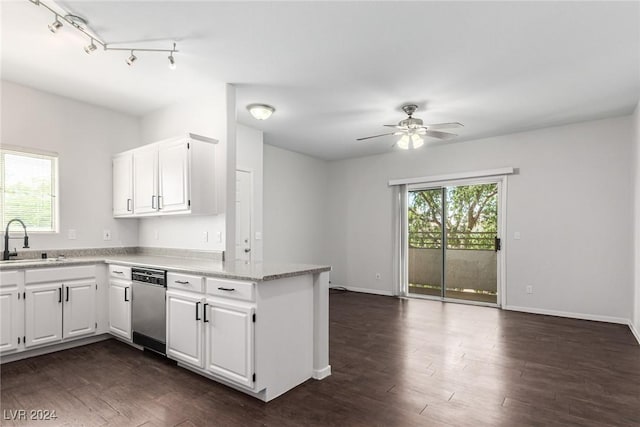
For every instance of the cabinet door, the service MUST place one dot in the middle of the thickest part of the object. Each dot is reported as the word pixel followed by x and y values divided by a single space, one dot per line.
pixel 43 314
pixel 120 308
pixel 184 327
pixel 123 185
pixel 173 164
pixel 79 310
pixel 229 340
pixel 145 180
pixel 9 319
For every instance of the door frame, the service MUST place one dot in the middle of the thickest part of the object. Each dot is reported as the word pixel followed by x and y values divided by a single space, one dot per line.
pixel 251 211
pixel 501 273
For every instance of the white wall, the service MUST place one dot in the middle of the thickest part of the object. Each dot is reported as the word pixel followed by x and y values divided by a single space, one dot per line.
pixel 85 137
pixel 571 201
pixel 636 260
pixel 207 115
pixel 295 195
pixel 249 157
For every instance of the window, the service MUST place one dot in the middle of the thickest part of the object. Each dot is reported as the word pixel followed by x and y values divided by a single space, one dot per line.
pixel 28 186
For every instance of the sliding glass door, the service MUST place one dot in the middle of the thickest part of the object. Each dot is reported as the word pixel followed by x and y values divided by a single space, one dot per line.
pixel 453 242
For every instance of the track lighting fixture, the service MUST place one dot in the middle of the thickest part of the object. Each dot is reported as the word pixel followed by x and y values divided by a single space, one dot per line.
pixel 90 48
pixel 80 24
pixel 55 25
pixel 131 59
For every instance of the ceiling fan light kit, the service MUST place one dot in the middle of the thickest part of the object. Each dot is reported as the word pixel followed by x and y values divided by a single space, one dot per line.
pixel 412 130
pixel 80 24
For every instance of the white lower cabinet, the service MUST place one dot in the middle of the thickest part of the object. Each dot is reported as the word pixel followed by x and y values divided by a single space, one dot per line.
pixel 60 303
pixel 229 339
pixel 184 327
pixel 120 308
pixel 43 314
pixel 11 305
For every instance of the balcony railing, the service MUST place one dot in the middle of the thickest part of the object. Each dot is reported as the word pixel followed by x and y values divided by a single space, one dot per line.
pixel 475 240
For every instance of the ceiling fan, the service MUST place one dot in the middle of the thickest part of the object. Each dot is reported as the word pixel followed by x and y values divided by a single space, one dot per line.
pixel 413 130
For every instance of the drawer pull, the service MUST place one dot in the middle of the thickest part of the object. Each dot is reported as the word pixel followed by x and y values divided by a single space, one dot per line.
pixel 198 310
pixel 118 272
pixel 204 312
pixel 182 282
pixel 226 289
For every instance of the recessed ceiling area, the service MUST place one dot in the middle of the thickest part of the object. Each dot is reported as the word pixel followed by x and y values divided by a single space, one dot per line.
pixel 337 71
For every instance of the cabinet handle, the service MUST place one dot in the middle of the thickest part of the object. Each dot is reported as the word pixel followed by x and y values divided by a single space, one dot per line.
pixel 59 295
pixel 118 272
pixel 197 310
pixel 227 289
pixel 182 282
pixel 125 295
pixel 204 312
pixel 67 299
pixel 128 205
pixel 159 204
pixel 153 202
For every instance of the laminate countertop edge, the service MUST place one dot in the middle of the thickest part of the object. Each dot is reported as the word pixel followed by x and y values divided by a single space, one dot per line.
pixel 256 272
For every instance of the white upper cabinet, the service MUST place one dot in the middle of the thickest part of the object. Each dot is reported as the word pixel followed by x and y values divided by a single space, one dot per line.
pixel 145 180
pixel 176 176
pixel 173 167
pixel 123 185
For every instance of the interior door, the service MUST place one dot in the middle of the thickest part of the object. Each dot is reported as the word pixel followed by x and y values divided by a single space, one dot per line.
pixel 243 215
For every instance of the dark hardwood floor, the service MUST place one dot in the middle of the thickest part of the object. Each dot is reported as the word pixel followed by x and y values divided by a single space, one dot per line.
pixel 395 363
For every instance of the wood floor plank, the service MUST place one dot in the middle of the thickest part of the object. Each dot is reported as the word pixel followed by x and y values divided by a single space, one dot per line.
pixel 395 362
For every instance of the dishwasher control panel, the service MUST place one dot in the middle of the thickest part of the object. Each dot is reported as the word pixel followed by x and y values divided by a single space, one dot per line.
pixel 149 275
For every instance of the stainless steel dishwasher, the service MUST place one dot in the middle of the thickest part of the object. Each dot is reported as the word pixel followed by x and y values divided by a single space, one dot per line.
pixel 148 309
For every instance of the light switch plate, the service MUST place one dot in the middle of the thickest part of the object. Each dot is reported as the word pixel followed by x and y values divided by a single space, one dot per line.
pixel 258 235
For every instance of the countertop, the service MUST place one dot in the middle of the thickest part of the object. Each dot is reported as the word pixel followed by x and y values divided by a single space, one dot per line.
pixel 257 272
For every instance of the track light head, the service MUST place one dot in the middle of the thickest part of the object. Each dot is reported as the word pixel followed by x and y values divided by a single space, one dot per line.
pixel 131 59
pixel 55 25
pixel 172 62
pixel 90 48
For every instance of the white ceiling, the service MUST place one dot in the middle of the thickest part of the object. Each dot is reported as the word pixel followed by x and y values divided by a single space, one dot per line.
pixel 336 71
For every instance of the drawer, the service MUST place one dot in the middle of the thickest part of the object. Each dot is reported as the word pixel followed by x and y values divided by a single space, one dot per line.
pixel 186 282
pixel 8 278
pixel 120 272
pixel 59 274
pixel 231 289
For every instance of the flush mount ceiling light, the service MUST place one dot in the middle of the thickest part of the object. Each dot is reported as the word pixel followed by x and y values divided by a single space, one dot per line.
pixel 261 111
pixel 80 24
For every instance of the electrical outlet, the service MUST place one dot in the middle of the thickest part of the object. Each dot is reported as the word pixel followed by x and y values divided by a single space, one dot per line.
pixel 205 236
pixel 516 235
pixel 258 235
pixel 378 276
pixel 106 234
pixel 529 289
pixel 218 237
pixel 156 234
pixel 71 234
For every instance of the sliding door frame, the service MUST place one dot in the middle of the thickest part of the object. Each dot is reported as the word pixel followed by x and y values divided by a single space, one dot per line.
pixel 501 274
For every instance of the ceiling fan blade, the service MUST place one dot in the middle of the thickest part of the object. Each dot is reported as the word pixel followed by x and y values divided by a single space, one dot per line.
pixel 396 126
pixel 439 135
pixel 444 125
pixel 374 136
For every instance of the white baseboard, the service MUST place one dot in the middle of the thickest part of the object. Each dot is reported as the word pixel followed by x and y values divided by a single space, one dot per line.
pixel 12 357
pixel 369 291
pixel 634 331
pixel 320 374
pixel 582 316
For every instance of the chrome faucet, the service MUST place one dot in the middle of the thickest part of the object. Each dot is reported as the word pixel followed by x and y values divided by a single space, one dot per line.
pixel 7 254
